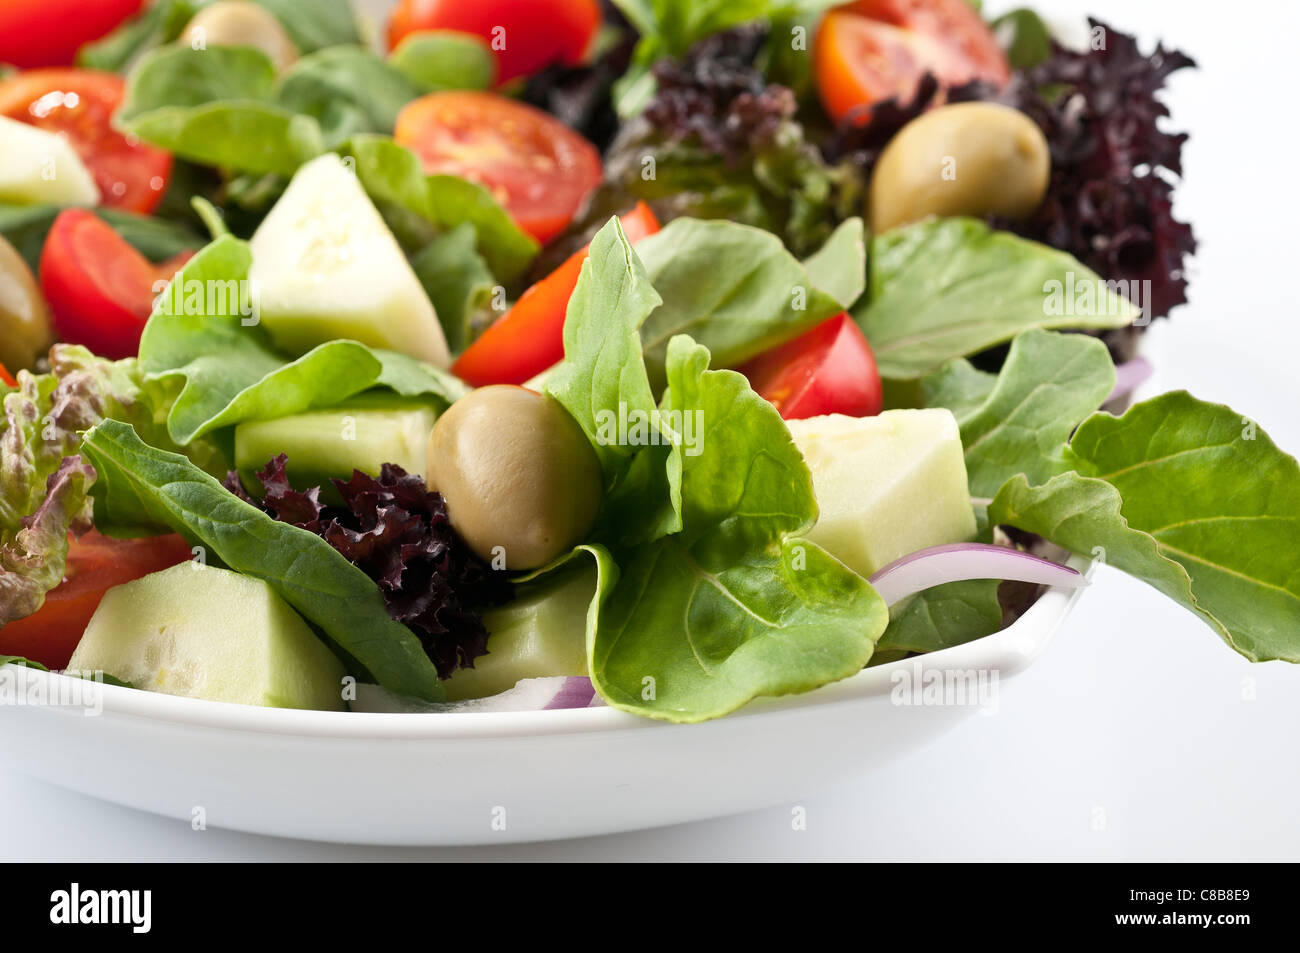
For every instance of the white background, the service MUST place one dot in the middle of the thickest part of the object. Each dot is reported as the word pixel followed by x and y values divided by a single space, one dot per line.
pixel 1139 735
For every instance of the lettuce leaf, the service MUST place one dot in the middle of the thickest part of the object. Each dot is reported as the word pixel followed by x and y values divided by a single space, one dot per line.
pixel 1193 499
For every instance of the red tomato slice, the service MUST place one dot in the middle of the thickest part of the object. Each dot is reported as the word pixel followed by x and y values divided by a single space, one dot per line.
pixel 49 32
pixel 100 289
pixel 528 338
pixel 539 169
pixel 525 36
pixel 95 564
pixel 79 103
pixel 6 377
pixel 874 50
pixel 828 370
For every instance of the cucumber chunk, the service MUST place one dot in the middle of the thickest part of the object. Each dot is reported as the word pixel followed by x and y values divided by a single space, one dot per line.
pixel 41 168
pixel 205 632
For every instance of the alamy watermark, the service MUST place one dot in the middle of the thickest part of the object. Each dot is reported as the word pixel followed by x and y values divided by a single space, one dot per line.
pixel 639 428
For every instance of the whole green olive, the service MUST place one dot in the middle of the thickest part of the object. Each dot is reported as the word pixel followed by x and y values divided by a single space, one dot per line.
pixel 520 478
pixel 25 329
pixel 240 23
pixel 965 159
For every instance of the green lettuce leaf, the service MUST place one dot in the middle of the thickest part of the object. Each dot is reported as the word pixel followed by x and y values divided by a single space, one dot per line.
pixel 316 24
pixel 946 288
pixel 1193 499
pixel 141 488
pixel 181 76
pixel 459 283
pixel 947 615
pixel 348 90
pixel 246 135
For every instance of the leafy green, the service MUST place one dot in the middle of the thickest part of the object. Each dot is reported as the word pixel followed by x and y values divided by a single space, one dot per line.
pixel 181 76
pixel 946 288
pixel 734 605
pixel 737 291
pixel 1049 383
pixel 229 371
pixel 161 21
pixel 348 90
pixel 947 615
pixel 958 385
pixel 26 226
pixel 1024 36
pixel 1190 497
pixel 142 488
pixel 243 134
pixel 316 24
pixel 458 282
pixel 24 662
pixel 435 60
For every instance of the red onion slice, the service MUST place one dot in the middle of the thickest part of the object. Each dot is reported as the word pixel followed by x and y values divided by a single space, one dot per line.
pixel 1129 376
pixel 960 561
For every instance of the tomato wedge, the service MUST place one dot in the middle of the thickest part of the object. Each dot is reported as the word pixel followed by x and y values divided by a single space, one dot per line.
pixel 525 36
pixel 528 338
pixel 95 564
pixel 874 50
pixel 6 377
pixel 49 32
pixel 828 370
pixel 80 104
pixel 100 289
pixel 539 169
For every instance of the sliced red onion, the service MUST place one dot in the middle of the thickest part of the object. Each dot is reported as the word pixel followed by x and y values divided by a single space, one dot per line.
pixel 1129 376
pixel 530 694
pixel 960 561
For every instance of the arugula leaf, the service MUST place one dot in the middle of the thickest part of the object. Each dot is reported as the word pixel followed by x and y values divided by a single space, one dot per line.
pixel 946 288
pixel 737 291
pixel 244 134
pixel 348 90
pixel 435 60
pixel 181 76
pixel 1191 498
pixel 228 371
pixel 1049 383
pixel 734 606
pixel 458 282
pixel 958 386
pixel 141 487
pixel 939 618
pixel 603 369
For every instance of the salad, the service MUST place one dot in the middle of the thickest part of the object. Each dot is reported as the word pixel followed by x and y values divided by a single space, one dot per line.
pixel 652 354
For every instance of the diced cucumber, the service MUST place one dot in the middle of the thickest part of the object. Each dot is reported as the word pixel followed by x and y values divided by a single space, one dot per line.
pixel 41 168
pixel 206 632
pixel 886 486
pixel 543 632
pixel 362 434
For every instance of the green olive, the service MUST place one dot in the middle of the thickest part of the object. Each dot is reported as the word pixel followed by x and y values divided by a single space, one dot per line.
pixel 519 476
pixel 965 159
pixel 25 331
pixel 240 23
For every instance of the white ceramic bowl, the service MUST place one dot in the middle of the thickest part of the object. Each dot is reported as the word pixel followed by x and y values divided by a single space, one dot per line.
pixel 494 777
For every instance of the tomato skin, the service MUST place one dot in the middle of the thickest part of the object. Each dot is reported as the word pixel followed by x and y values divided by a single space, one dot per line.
pixel 827 370
pixel 6 377
pixel 536 33
pixel 130 174
pixel 539 169
pixel 100 289
pixel 49 32
pixel 95 564
pixel 875 50
pixel 529 338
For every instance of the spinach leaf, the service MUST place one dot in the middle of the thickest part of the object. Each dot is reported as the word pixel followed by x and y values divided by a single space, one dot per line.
pixel 247 135
pixel 737 291
pixel 735 605
pixel 459 283
pixel 1193 499
pixel 435 60
pixel 316 24
pixel 946 288
pixel 26 227
pixel 160 22
pixel 140 487
pixel 1049 383
pixel 181 76
pixel 348 90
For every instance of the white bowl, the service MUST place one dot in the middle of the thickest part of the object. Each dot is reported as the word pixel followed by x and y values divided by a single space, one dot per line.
pixel 495 777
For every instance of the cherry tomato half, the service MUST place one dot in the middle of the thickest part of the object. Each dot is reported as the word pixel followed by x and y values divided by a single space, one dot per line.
pixel 6 378
pixel 874 50
pixel 79 103
pixel 95 564
pixel 539 169
pixel 525 36
pixel 828 370
pixel 49 32
pixel 529 338
pixel 99 288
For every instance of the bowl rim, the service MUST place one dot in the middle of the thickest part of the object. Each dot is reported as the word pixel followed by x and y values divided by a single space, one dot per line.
pixel 1007 652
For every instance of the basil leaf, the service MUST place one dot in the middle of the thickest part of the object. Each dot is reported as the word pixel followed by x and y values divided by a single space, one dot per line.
pixel 141 487
pixel 946 288
pixel 1193 499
